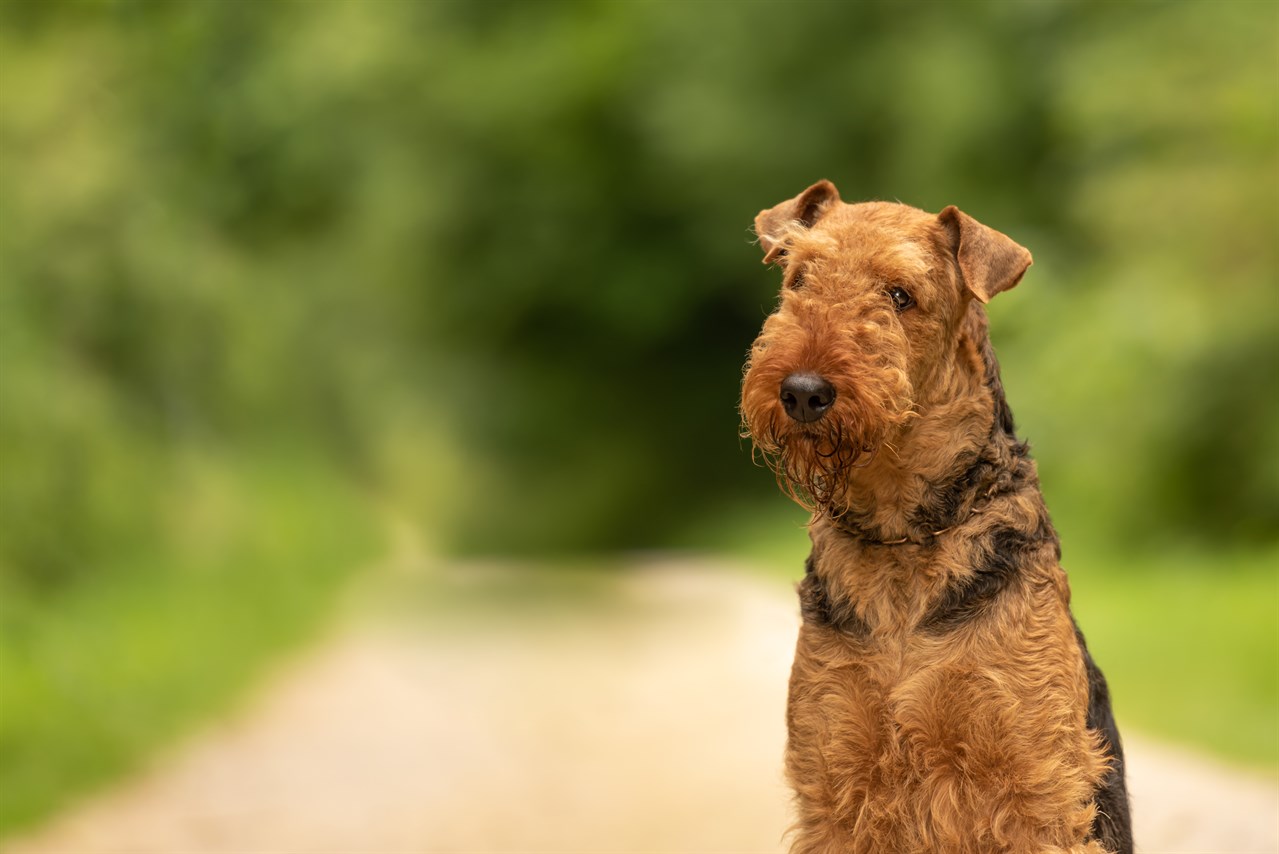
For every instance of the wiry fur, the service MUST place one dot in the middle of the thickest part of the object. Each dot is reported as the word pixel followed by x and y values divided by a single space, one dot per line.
pixel 941 699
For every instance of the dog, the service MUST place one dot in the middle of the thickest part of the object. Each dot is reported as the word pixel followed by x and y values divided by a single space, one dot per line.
pixel 942 698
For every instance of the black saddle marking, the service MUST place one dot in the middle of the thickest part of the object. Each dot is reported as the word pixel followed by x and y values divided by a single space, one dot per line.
pixel 1005 554
pixel 1113 825
pixel 819 609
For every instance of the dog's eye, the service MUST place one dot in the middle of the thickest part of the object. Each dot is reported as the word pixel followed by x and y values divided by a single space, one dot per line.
pixel 901 299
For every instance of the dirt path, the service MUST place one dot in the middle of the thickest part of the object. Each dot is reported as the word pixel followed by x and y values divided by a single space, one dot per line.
pixel 644 715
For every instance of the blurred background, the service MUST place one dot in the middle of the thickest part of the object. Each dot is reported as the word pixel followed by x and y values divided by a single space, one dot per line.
pixel 275 273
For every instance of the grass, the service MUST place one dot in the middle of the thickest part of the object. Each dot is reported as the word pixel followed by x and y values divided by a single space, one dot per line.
pixel 94 678
pixel 1188 640
pixel 1190 645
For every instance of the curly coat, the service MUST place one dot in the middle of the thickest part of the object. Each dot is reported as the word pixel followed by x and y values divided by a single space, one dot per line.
pixel 942 698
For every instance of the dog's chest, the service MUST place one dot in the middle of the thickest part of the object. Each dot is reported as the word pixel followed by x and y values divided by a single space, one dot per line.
pixel 878 605
pixel 871 663
pixel 897 700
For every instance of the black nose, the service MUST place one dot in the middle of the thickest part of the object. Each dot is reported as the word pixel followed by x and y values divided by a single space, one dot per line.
pixel 806 397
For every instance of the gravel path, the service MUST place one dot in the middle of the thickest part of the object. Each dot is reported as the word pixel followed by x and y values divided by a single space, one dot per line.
pixel 645 715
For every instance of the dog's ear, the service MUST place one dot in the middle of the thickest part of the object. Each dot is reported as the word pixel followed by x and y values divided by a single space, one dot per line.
pixel 990 262
pixel 805 210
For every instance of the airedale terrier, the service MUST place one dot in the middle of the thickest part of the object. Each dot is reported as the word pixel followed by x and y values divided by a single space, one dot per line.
pixel 942 698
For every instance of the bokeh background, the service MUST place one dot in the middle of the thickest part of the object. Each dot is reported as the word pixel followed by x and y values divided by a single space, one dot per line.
pixel 275 272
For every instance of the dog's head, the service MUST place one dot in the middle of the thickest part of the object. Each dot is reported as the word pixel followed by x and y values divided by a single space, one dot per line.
pixel 866 333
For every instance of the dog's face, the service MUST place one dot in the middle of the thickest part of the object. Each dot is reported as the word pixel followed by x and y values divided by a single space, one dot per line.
pixel 865 335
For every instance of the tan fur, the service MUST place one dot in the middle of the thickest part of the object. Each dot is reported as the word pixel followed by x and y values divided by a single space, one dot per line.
pixel 904 740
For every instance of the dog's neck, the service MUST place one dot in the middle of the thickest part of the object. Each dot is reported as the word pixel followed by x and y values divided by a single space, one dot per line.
pixel 940 470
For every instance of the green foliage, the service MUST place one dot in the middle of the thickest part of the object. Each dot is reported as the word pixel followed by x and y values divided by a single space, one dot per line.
pixel 522 230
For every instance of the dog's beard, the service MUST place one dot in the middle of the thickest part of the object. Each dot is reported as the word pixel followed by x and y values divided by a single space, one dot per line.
pixel 814 463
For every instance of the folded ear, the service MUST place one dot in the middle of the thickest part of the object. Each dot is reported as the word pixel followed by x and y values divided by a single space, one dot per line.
pixel 990 262
pixel 805 210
